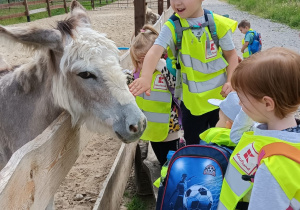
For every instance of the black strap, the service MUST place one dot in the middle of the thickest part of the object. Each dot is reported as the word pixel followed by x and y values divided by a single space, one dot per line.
pixel 247 177
pixel 242 205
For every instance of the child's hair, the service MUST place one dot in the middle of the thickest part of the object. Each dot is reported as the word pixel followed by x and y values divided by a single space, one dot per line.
pixel 142 43
pixel 275 73
pixel 244 23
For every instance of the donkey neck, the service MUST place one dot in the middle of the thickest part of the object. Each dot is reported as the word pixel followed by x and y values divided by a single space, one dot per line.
pixel 27 91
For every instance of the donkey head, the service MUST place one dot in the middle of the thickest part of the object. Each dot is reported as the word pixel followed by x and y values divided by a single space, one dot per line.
pixel 87 78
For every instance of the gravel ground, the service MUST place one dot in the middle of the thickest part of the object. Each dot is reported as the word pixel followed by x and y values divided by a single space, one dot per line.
pixel 273 34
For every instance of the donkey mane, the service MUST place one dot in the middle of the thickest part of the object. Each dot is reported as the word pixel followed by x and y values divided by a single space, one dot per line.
pixel 66 26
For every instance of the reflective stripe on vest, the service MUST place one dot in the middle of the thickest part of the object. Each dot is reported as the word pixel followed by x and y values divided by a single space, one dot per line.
pixel 205 68
pixel 156 96
pixel 236 187
pixel 200 87
pixel 243 161
pixel 202 65
pixel 295 204
pixel 157 117
pixel 157 109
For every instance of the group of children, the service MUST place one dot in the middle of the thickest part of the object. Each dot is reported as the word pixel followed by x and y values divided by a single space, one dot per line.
pixel 262 94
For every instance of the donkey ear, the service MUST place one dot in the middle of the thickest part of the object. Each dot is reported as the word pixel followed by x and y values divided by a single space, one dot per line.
pixel 34 37
pixel 79 13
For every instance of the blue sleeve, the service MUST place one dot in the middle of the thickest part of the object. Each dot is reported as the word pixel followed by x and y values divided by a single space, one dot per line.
pixel 249 38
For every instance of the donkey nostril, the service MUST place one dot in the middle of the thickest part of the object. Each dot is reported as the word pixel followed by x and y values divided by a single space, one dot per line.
pixel 133 128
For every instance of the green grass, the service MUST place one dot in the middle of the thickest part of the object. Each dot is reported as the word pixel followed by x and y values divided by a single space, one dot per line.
pixel 136 204
pixel 282 11
pixel 54 12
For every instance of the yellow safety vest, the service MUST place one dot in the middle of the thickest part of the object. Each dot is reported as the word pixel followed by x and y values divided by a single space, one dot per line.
pixel 157 109
pixel 244 161
pixel 247 51
pixel 219 136
pixel 203 68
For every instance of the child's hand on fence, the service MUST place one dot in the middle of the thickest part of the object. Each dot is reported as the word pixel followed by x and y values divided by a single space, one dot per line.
pixel 139 86
pixel 226 89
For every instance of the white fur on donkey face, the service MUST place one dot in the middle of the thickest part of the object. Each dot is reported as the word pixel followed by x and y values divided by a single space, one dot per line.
pixel 90 53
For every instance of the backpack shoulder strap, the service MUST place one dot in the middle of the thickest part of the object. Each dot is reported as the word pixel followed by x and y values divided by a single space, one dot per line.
pixel 178 30
pixel 209 17
pixel 276 148
pixel 252 32
pixel 279 148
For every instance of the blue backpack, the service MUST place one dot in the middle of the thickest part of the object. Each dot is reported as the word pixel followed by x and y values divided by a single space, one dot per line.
pixel 256 45
pixel 194 178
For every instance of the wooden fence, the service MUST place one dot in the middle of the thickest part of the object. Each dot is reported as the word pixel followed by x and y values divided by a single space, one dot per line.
pixel 35 171
pixel 22 8
pixel 49 5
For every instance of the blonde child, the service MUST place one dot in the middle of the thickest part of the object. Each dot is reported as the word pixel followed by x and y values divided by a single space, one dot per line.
pixel 204 72
pixel 268 85
pixel 162 111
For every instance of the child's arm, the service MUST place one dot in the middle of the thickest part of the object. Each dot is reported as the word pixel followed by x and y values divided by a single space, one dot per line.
pixel 244 46
pixel 143 84
pixel 232 60
pixel 241 124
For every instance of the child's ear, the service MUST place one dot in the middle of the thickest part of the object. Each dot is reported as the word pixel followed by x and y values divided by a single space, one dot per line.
pixel 269 103
pixel 228 124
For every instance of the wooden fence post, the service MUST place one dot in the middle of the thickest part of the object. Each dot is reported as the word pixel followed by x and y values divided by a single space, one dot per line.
pixel 48 8
pixel 65 6
pixel 139 15
pixel 160 6
pixel 93 4
pixel 27 10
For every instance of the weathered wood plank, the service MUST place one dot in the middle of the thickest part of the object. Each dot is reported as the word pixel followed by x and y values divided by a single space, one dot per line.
pixel 57 6
pixel 3 6
pixel 35 171
pixel 12 16
pixel 114 185
pixel 36 2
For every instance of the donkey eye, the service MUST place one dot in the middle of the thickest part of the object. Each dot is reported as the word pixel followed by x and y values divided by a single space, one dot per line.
pixel 86 75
